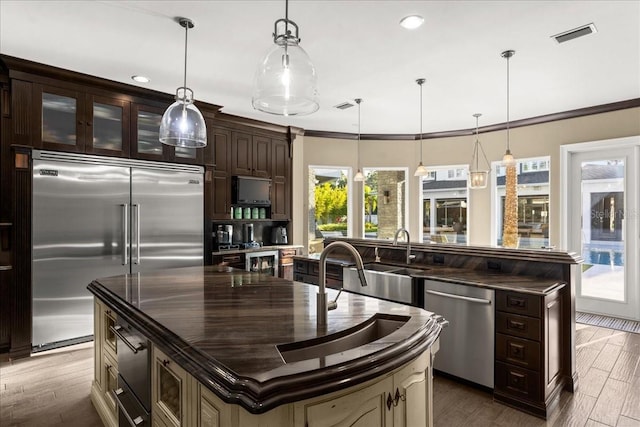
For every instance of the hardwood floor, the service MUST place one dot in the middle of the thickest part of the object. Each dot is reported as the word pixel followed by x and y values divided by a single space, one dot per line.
pixel 52 389
pixel 608 390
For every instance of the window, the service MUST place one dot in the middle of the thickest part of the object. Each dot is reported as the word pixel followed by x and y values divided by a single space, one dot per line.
pixel 384 198
pixel 328 205
pixel 533 201
pixel 444 204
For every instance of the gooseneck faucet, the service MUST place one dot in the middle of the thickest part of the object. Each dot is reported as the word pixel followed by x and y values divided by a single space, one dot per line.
pixel 321 299
pixel 395 243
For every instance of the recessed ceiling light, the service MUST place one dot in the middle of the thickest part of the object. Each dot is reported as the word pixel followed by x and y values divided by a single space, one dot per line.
pixel 411 22
pixel 140 79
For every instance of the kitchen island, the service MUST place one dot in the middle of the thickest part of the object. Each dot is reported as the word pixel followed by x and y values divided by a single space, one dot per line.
pixel 229 347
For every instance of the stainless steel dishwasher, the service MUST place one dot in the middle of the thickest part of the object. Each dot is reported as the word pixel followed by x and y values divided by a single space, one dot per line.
pixel 467 344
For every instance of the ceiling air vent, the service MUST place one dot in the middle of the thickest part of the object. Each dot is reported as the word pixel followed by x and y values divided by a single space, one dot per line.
pixel 575 33
pixel 343 106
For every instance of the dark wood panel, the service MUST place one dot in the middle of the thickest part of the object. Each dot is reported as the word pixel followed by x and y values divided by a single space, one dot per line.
pixel 21 289
pixel 241 154
pixel 261 156
pixel 526 305
pixel 520 326
pixel 522 352
pixel 22 118
pixel 553 335
pixel 516 381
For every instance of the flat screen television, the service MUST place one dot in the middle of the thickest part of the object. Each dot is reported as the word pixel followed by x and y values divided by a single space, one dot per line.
pixel 248 190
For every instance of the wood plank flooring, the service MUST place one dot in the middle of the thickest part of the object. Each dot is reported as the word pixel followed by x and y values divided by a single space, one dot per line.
pixel 52 389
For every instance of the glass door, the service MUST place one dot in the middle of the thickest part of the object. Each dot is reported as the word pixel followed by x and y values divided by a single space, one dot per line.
pixel 603 219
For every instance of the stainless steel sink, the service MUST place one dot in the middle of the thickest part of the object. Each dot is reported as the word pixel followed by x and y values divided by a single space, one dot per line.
pixel 390 282
pixel 380 267
pixel 378 326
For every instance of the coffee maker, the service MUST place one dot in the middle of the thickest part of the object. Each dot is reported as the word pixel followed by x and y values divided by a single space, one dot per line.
pixel 248 238
pixel 224 237
pixel 279 236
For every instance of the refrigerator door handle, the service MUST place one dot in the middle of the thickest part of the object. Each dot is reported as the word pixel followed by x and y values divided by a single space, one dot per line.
pixel 137 212
pixel 125 234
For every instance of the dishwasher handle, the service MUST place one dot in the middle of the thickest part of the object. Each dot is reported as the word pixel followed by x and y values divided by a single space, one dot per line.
pixel 459 297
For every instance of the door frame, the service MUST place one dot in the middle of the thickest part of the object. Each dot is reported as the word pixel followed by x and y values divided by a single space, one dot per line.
pixel 629 147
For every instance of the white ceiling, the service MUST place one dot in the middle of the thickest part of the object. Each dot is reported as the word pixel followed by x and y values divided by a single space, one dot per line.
pixel 359 50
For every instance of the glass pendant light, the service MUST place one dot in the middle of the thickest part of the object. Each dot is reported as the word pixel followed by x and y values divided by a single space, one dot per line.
pixel 285 82
pixel 182 123
pixel 421 170
pixel 508 159
pixel 478 178
pixel 359 176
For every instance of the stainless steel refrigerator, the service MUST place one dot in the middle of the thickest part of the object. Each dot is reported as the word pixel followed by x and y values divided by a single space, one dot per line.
pixel 99 216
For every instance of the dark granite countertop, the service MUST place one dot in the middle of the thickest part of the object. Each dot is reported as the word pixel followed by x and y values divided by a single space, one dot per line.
pixel 223 325
pixel 479 278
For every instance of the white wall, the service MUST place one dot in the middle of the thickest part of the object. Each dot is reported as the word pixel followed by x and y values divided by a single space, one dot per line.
pixel 529 141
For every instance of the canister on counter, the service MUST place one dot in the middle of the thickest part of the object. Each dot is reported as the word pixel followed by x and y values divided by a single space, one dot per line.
pixel 263 213
pixel 254 213
pixel 247 213
pixel 237 212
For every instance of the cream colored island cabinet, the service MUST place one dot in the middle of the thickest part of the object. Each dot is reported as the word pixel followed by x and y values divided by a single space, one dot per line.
pixel 399 398
pixel 105 365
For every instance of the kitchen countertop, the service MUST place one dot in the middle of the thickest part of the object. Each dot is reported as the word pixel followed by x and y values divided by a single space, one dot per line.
pixel 223 325
pixel 258 249
pixel 479 278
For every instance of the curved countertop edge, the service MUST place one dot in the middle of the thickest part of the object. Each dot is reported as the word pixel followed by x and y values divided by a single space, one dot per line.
pixel 259 397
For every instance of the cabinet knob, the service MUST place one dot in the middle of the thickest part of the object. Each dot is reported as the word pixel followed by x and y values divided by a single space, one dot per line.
pixel 165 362
pixel 389 401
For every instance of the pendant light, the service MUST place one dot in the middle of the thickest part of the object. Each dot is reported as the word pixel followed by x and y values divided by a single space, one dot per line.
pixel 421 170
pixel 508 159
pixel 359 176
pixel 478 178
pixel 285 80
pixel 182 123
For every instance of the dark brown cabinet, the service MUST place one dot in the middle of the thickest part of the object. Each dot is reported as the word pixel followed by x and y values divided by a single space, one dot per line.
pixel 285 263
pixel 221 179
pixel 251 155
pixel 528 350
pixel 308 271
pixel 280 180
pixel 73 120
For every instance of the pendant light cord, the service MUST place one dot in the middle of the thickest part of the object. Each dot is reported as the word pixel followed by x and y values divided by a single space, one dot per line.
pixel 358 100
pixel 475 150
pixel 508 146
pixel 186 32
pixel 420 82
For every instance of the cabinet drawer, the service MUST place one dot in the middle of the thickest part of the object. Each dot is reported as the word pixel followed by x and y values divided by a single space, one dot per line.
pixel 517 381
pixel 288 252
pixel 518 351
pixel 300 267
pixel 513 302
pixel 519 326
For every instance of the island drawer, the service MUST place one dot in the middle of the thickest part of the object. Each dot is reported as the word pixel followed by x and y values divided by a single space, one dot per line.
pixel 518 351
pixel 517 381
pixel 520 326
pixel 523 304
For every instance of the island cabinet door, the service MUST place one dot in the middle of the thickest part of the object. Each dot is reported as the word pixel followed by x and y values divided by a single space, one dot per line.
pixel 412 393
pixel 169 389
pixel 210 411
pixel 369 406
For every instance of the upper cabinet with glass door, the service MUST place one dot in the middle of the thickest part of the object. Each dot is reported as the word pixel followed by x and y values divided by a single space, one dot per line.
pixel 77 121
pixel 145 130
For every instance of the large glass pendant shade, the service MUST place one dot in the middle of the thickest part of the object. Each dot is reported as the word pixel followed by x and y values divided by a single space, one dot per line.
pixel 182 124
pixel 285 82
